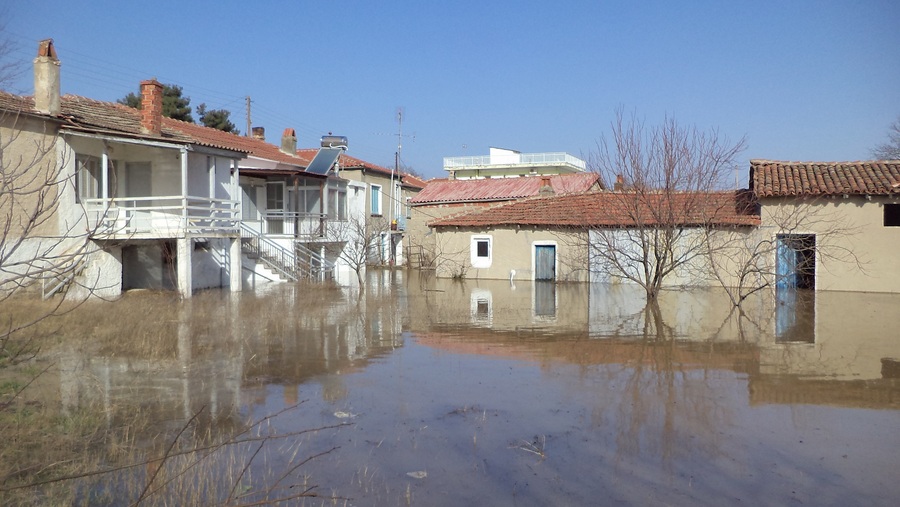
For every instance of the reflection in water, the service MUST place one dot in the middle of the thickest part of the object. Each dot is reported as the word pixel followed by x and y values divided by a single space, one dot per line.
pixel 795 315
pixel 545 299
pixel 537 394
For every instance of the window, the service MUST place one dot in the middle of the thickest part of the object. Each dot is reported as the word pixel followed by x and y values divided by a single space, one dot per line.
pixel 892 215
pixel 87 177
pixel 342 205
pixel 375 191
pixel 275 196
pixel 481 251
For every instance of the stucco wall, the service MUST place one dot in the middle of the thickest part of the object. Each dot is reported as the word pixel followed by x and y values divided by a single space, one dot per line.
pixel 512 253
pixel 855 251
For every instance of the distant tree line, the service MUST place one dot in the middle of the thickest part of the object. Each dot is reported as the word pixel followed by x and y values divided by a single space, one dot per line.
pixel 177 106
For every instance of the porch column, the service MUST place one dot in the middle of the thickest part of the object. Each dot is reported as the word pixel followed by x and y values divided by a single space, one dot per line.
pixel 184 189
pixel 184 261
pixel 104 177
pixel 236 280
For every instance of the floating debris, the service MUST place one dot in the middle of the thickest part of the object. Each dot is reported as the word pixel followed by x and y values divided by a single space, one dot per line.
pixel 340 414
pixel 421 474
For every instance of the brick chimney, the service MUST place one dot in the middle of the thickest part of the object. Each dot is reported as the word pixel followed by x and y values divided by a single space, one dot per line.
pixel 546 187
pixel 289 141
pixel 258 133
pixel 151 106
pixel 620 183
pixel 46 79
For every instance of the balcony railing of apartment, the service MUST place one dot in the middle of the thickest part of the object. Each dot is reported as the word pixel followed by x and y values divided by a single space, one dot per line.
pixel 307 226
pixel 518 159
pixel 162 216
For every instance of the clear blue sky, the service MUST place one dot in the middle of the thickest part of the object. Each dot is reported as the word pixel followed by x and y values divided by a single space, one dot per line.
pixel 802 80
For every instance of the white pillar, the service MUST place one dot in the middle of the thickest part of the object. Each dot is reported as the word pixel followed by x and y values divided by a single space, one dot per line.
pixel 183 258
pixel 236 279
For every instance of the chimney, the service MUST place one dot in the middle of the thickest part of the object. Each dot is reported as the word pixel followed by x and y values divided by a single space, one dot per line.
pixel 258 133
pixel 620 183
pixel 546 187
pixel 289 141
pixel 46 79
pixel 151 106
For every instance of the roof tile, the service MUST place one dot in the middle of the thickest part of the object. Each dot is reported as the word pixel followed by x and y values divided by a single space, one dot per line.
pixel 770 178
pixel 617 209
pixel 501 189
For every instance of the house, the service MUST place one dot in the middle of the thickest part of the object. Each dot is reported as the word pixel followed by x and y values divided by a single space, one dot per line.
pixel 504 163
pixel 289 211
pixel 384 219
pixel 112 198
pixel 835 225
pixel 447 197
pixel 556 238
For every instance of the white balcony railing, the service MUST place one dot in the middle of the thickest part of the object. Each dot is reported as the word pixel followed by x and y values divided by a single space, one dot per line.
pixel 300 225
pixel 163 216
pixel 518 159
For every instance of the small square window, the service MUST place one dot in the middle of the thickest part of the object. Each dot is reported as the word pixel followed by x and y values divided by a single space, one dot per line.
pixel 892 215
pixel 482 248
pixel 481 252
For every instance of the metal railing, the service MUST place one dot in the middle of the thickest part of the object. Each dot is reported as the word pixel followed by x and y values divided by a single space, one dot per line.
pixel 162 216
pixel 294 264
pixel 517 159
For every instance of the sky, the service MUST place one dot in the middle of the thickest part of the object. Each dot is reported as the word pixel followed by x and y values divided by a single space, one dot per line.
pixel 799 80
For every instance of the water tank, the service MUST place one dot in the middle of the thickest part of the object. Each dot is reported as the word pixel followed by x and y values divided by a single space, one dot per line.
pixel 334 142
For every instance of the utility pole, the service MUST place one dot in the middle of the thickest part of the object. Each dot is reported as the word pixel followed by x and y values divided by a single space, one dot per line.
pixel 248 133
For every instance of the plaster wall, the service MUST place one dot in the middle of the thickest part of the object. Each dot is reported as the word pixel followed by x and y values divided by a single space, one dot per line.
pixel 512 253
pixel 855 251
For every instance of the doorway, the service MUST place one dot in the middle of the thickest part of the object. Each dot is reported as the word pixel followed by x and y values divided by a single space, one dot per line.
pixel 795 262
pixel 545 262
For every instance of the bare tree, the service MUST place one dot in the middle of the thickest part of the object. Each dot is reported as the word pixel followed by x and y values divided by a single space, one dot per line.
pixel 663 179
pixel 743 262
pixel 357 242
pixel 891 149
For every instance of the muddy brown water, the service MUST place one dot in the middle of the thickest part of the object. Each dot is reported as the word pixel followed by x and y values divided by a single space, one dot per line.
pixel 438 392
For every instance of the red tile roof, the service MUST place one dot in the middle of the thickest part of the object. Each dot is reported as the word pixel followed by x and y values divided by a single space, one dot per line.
pixel 413 181
pixel 616 209
pixel 88 115
pixel 501 189
pixel 255 147
pixel 347 162
pixel 780 179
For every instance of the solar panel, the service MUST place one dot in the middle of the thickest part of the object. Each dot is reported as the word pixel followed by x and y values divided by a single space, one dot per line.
pixel 324 160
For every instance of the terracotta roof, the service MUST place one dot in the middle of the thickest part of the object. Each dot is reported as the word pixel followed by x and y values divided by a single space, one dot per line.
pixel 94 116
pixel 616 209
pixel 255 147
pixel 412 181
pixel 501 189
pixel 770 178
pixel 89 115
pixel 347 162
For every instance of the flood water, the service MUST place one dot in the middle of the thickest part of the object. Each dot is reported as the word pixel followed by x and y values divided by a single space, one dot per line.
pixel 440 392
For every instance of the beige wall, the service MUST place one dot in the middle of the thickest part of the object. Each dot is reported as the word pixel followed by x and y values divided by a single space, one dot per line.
pixel 422 239
pixel 855 251
pixel 511 253
pixel 33 182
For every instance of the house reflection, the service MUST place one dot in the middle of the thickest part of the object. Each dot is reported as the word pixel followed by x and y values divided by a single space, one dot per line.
pixel 795 315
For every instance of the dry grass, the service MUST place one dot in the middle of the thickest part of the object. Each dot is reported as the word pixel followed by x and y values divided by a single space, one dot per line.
pixel 104 448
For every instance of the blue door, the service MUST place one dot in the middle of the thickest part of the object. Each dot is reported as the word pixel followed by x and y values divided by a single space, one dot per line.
pixel 545 262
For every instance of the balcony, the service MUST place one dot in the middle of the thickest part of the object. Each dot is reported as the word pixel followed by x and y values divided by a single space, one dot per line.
pixel 516 160
pixel 162 217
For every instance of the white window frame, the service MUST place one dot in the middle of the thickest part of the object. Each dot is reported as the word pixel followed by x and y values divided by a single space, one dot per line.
pixel 479 261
